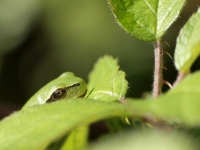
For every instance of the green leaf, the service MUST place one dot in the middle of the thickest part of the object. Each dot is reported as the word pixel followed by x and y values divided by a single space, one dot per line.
pixel 147 20
pixel 36 127
pixel 106 81
pixel 188 44
pixel 146 139
pixel 40 125
pixel 179 105
pixel 77 139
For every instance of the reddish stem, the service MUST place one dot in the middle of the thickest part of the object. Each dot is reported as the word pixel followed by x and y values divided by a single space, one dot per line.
pixel 179 78
pixel 158 66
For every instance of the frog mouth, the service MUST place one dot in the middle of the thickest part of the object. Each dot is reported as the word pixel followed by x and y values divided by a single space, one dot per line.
pixel 83 94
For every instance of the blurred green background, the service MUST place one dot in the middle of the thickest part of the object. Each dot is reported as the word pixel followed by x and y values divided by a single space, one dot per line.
pixel 41 39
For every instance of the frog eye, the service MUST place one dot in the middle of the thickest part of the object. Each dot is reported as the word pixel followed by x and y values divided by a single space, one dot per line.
pixel 57 94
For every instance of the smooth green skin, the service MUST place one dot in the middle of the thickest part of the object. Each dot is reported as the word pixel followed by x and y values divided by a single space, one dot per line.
pixel 66 79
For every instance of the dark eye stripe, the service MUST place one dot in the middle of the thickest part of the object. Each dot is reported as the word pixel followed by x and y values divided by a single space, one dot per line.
pixel 77 84
pixel 57 94
pixel 60 93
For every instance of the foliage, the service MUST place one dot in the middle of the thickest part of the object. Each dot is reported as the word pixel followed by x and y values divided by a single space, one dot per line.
pixel 146 19
pixel 64 124
pixel 188 44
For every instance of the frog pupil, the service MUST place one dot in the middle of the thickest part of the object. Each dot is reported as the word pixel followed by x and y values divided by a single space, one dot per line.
pixel 57 94
pixel 60 93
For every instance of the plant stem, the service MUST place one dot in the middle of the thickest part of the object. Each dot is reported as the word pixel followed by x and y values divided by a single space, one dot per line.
pixel 158 66
pixel 179 78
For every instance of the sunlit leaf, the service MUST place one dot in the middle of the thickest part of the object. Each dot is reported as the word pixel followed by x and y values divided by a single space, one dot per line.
pixel 180 105
pixel 147 20
pixel 188 44
pixel 36 127
pixel 106 81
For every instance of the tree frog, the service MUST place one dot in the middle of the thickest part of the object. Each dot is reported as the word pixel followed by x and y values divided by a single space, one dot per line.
pixel 66 86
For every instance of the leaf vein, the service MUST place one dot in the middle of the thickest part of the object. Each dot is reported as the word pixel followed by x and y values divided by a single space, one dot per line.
pixel 144 28
pixel 167 14
pixel 149 6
